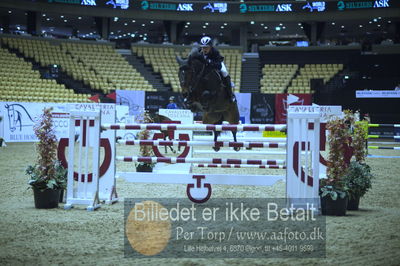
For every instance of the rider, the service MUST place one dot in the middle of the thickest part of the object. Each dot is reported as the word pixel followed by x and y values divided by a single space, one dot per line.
pixel 215 60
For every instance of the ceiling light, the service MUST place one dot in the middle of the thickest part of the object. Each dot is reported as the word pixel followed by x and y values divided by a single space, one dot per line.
pixel 284 27
pixel 262 24
pixel 133 35
pixel 265 27
pixel 9 12
pixel 204 26
pixel 379 25
pixel 188 23
pixel 143 25
pixel 225 24
pixel 252 22
pixel 43 15
pixel 151 21
pixel 342 26
pixel 375 20
pixel 389 21
pixel 278 28
pixel 126 24
pixel 299 24
pixel 222 27
pixel 333 23
pixel 115 19
pixel 186 34
pixel 221 34
pixel 360 26
pixel 79 17
pixel 61 16
pixel 65 20
pixel 186 26
pixel 48 19
pixel 206 23
pixel 280 24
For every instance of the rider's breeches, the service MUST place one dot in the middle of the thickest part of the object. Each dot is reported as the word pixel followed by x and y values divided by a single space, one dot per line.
pixel 224 71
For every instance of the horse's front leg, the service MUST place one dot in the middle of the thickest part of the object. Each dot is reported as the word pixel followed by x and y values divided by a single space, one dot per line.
pixel 235 140
pixel 216 134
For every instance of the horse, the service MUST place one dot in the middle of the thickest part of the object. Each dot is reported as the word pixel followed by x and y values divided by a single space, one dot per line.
pixel 205 93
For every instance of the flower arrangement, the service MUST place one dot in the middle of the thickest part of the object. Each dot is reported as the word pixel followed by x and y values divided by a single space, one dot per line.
pixel 145 151
pixel 339 140
pixel 358 175
pixel 47 173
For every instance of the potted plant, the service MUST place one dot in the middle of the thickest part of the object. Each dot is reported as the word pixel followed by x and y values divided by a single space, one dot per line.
pixel 358 182
pixel 333 192
pixel 47 177
pixel 145 151
pixel 358 176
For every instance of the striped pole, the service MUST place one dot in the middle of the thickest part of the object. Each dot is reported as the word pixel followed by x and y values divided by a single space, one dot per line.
pixel 383 137
pixel 384 125
pixel 198 160
pixel 239 166
pixel 195 127
pixel 193 143
pixel 383 148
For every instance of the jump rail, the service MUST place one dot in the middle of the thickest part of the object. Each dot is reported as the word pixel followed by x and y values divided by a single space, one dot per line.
pixel 195 127
pixel 245 144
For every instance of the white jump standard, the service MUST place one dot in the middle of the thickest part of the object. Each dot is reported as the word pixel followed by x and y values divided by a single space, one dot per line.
pixel 302 158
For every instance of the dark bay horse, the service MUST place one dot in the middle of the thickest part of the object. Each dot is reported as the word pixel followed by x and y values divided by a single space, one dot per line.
pixel 205 93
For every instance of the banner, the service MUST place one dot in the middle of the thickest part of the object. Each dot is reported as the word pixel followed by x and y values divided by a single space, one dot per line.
pixel 244 103
pixel 378 94
pixel 262 108
pixel 133 99
pixel 283 101
pixel 19 119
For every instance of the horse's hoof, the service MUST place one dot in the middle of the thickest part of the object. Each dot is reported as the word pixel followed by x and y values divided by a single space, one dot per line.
pixel 236 148
pixel 216 148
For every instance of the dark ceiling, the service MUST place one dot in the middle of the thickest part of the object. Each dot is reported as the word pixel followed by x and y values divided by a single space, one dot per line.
pixel 62 25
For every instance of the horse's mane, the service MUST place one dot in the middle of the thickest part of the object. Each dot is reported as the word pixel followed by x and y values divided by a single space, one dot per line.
pixel 195 54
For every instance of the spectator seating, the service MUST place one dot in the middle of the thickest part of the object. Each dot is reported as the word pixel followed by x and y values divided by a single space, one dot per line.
pixel 19 82
pixel 276 77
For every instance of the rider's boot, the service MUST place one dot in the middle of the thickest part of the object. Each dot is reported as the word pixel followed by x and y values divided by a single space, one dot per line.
pixel 228 88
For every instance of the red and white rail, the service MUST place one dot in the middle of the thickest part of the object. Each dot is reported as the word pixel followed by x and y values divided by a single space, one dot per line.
pixel 198 160
pixel 239 166
pixel 197 127
pixel 245 144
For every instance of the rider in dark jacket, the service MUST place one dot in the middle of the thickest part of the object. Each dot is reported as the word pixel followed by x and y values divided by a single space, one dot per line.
pixel 214 60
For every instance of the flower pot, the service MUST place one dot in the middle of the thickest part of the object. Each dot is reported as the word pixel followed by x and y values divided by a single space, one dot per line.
pixel 61 200
pixel 332 207
pixel 354 201
pixel 144 168
pixel 46 199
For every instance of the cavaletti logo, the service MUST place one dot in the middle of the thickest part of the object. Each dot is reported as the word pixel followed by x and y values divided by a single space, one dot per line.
pixel 147 228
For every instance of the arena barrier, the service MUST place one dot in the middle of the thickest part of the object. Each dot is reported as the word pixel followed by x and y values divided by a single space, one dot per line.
pixel 383 137
pixel 301 164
